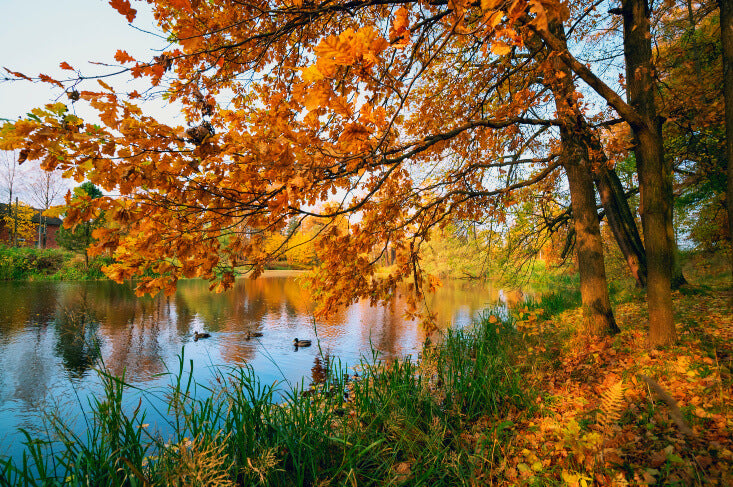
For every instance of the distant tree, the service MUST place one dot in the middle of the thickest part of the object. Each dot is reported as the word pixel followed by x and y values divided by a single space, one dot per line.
pixel 45 189
pixel 9 173
pixel 79 237
pixel 19 222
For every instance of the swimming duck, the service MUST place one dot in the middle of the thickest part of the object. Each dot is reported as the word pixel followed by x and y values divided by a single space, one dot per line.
pixel 197 335
pixel 301 343
pixel 254 334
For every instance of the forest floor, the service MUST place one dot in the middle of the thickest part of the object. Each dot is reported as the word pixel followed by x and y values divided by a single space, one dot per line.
pixel 614 412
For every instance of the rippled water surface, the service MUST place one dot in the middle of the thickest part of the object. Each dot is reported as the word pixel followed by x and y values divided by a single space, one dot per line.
pixel 53 335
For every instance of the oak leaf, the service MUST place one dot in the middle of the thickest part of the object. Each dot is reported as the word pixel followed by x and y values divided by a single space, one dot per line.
pixel 124 7
pixel 123 57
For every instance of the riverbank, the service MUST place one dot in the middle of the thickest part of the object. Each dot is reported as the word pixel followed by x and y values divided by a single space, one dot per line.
pixel 31 264
pixel 531 405
pixel 526 401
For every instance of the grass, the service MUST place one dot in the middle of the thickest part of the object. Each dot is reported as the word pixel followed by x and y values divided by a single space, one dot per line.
pixel 416 422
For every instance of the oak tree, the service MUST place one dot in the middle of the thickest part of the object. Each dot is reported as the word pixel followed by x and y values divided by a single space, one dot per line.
pixel 408 115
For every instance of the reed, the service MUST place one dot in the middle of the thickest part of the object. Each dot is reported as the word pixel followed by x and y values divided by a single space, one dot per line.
pixel 409 421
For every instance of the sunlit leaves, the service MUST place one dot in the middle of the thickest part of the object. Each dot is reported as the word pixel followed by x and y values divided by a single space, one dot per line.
pixel 399 33
pixel 388 119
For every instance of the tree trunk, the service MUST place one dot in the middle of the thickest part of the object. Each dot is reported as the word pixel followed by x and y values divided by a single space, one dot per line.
pixel 616 206
pixel 15 224
pixel 598 317
pixel 726 39
pixel 654 179
pixel 620 218
pixel 678 278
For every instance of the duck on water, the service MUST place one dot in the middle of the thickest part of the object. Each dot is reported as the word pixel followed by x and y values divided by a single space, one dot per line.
pixel 301 343
pixel 197 335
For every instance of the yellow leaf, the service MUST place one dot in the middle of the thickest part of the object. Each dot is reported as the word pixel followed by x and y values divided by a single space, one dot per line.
pixel 311 73
pixel 501 48
pixel 489 4
pixel 496 18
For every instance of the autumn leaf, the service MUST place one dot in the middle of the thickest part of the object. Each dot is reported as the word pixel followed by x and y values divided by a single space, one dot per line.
pixel 122 57
pixel 489 5
pixel 47 79
pixel 18 75
pixel 67 66
pixel 181 4
pixel 311 74
pixel 501 48
pixel 399 35
pixel 494 18
pixel 124 7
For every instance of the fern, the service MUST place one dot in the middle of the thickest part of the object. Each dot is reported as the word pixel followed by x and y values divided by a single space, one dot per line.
pixel 612 405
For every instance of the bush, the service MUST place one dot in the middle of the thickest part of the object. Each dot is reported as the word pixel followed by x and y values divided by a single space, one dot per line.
pixel 27 263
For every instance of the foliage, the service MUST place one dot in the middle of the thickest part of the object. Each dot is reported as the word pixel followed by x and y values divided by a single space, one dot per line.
pixel 79 237
pixel 27 263
pixel 457 253
pixel 22 216
pixel 364 108
pixel 39 264
pixel 690 66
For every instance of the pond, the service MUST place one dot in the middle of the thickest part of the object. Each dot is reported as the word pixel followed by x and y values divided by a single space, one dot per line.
pixel 53 336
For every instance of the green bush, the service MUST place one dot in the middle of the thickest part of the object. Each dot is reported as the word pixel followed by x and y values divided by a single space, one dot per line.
pixel 28 263
pixel 25 263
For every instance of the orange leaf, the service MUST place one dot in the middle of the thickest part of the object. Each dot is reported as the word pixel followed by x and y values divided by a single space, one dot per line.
pixel 124 7
pixel 501 48
pixel 47 79
pixel 122 57
pixel 66 66
pixel 17 74
pixel 180 4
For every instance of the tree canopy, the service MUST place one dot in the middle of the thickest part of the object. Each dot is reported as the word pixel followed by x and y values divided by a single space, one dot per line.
pixel 404 115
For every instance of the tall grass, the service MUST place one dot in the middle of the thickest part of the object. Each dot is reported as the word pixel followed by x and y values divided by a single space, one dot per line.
pixel 407 421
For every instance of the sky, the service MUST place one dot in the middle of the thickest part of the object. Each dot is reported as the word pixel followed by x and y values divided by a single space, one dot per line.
pixel 37 35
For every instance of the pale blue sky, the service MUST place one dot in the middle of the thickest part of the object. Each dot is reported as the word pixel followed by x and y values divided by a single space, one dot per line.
pixel 37 35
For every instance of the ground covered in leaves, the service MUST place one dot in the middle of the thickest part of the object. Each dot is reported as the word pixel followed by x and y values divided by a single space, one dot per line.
pixel 614 412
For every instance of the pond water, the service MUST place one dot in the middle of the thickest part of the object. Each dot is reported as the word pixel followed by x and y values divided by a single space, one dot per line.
pixel 53 335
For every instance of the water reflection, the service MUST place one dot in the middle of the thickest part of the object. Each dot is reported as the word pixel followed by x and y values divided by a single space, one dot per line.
pixel 52 335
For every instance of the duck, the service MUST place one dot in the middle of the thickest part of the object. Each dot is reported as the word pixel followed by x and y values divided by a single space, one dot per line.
pixel 253 334
pixel 301 343
pixel 197 335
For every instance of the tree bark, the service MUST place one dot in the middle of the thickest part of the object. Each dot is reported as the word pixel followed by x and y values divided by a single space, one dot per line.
pixel 654 177
pixel 726 40
pixel 619 216
pixel 598 317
